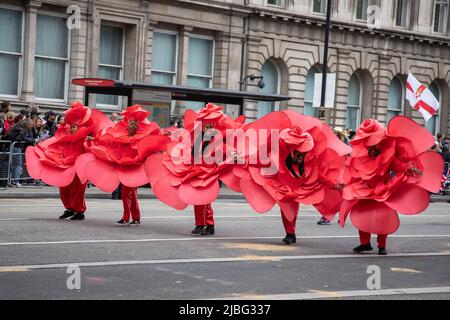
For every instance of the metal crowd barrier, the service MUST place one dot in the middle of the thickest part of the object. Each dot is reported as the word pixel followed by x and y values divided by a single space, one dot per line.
pixel 13 168
pixel 446 179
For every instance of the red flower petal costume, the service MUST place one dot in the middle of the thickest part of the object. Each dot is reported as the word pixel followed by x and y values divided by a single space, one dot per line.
pixel 53 160
pixel 116 157
pixel 390 171
pixel 178 183
pixel 311 180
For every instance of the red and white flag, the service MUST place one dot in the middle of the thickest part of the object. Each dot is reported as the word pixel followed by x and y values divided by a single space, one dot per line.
pixel 421 98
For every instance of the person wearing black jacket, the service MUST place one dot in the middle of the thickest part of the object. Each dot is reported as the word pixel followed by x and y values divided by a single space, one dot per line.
pixel 50 124
pixel 23 136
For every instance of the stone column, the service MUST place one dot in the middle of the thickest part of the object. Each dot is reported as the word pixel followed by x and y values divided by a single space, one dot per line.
pixel 183 50
pixel 29 50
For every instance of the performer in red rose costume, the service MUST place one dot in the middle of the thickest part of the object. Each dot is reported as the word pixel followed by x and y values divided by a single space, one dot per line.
pixel 186 178
pixel 390 171
pixel 116 156
pixel 308 164
pixel 53 160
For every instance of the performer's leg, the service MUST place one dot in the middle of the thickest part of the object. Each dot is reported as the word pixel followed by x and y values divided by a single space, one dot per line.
pixel 200 215
pixel 64 195
pixel 135 212
pixel 364 238
pixel 209 221
pixel 209 215
pixel 289 227
pixel 126 202
pixel 200 219
pixel 77 198
pixel 78 191
pixel 382 239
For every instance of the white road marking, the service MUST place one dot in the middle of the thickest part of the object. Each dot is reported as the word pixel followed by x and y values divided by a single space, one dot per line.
pixel 26 243
pixel 223 259
pixel 339 294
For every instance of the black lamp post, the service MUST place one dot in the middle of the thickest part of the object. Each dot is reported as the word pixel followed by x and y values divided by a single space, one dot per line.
pixel 325 61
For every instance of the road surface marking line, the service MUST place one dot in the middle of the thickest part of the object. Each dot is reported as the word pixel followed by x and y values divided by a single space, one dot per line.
pixel 13 269
pixel 405 270
pixel 224 259
pixel 339 294
pixel 26 243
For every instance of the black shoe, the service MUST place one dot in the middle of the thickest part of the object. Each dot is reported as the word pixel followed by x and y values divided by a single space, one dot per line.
pixel 323 222
pixel 290 238
pixel 135 223
pixel 208 231
pixel 67 214
pixel 362 248
pixel 122 223
pixel 78 216
pixel 382 251
pixel 198 230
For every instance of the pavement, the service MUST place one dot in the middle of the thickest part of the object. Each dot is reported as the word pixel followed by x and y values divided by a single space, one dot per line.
pixel 40 255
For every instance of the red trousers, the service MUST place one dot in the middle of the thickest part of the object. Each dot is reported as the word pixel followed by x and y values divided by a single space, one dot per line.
pixel 289 227
pixel 72 196
pixel 204 215
pixel 130 203
pixel 364 238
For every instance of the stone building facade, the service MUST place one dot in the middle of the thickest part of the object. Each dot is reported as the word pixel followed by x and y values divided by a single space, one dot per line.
pixel 373 46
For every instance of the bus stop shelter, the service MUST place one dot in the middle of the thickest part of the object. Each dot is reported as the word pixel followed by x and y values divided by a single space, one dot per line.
pixel 159 98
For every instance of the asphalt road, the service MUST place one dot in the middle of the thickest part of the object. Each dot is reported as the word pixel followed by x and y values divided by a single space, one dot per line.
pixel 244 260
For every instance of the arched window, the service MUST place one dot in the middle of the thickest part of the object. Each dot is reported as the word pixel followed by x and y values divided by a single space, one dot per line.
pixel 272 86
pixel 309 93
pixel 354 102
pixel 396 98
pixel 433 124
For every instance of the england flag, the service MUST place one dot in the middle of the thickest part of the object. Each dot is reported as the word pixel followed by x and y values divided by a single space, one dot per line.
pixel 421 98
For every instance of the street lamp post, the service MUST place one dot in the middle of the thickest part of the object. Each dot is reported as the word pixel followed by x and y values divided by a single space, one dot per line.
pixel 325 61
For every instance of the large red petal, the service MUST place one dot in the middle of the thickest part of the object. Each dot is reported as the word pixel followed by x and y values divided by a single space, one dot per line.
pixel 258 198
pixel 409 199
pixel 152 144
pixel 34 165
pixel 133 176
pixel 154 168
pixel 231 180
pixel 57 177
pixel 80 165
pixel 344 210
pixel 374 217
pixel 330 204
pixel 433 167
pixel 401 126
pixel 198 196
pixel 103 175
pixel 168 194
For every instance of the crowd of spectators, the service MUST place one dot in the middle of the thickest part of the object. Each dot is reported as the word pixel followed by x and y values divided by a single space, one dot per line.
pixel 27 127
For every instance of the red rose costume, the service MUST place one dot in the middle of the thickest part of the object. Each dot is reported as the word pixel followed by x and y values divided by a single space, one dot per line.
pixel 53 160
pixel 308 168
pixel 389 171
pixel 116 156
pixel 179 178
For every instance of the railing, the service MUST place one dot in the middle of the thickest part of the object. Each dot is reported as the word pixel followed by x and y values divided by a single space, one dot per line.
pixel 13 168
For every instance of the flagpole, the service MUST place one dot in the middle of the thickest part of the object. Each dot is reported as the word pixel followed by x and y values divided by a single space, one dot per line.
pixel 325 62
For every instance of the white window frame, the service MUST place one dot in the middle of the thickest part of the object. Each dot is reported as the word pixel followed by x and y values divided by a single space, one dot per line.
pixel 359 107
pixel 402 101
pixel 442 2
pixel 356 10
pixel 408 15
pixel 211 78
pixel 318 13
pixel 67 67
pixel 175 73
pixel 119 104
pixel 22 44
